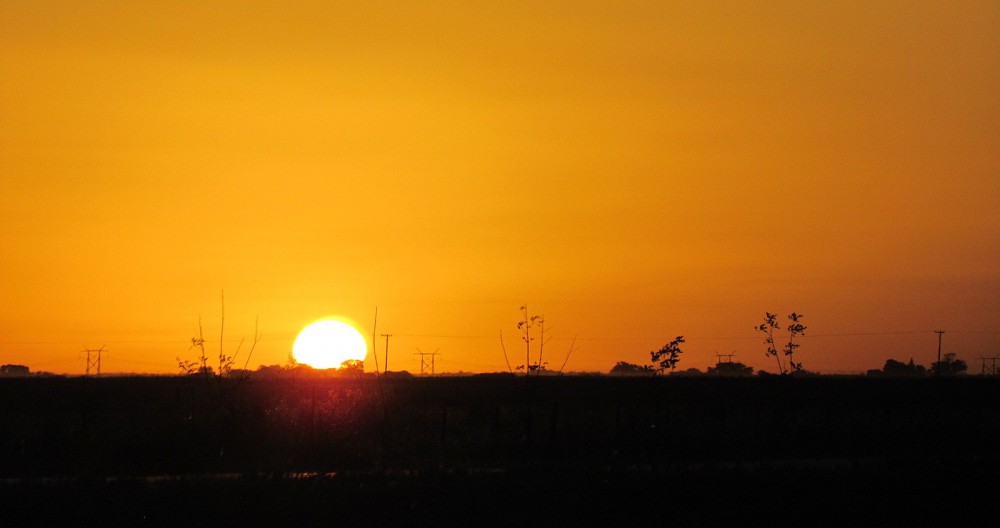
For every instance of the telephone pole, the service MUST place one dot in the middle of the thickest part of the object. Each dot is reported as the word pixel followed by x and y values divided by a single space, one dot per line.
pixel 386 336
pixel 94 359
pixel 940 333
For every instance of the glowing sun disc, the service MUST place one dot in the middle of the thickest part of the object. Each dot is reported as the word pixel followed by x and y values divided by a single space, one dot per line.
pixel 328 343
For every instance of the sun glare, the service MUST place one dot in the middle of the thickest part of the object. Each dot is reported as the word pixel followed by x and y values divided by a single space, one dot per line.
pixel 328 343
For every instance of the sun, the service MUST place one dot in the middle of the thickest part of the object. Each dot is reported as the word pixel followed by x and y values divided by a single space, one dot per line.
pixel 327 343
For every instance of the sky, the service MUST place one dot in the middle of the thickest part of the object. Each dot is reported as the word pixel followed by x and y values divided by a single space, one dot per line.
pixel 630 171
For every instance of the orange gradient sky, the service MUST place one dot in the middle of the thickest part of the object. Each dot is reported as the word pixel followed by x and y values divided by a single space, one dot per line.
pixel 633 171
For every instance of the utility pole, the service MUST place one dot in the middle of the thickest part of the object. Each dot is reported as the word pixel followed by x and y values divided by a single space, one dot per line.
pixel 940 333
pixel 94 359
pixel 386 336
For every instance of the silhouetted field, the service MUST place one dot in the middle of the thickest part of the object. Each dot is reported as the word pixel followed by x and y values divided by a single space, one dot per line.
pixel 491 450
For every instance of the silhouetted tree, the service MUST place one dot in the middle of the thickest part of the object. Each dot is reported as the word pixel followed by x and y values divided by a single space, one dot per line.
pixel 949 366
pixel 352 367
pixel 669 355
pixel 730 369
pixel 623 368
pixel 768 327
pixel 900 369
pixel 795 329
pixel 14 371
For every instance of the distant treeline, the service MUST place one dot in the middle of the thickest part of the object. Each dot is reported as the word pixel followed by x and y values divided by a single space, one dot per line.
pixel 20 371
pixel 948 366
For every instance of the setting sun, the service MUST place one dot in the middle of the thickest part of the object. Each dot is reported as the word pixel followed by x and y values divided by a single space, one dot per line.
pixel 328 343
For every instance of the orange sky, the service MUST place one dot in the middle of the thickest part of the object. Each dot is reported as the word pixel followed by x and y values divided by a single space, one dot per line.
pixel 633 171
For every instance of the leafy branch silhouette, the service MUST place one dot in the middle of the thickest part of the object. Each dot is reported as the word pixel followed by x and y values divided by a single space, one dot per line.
pixel 668 356
pixel 795 329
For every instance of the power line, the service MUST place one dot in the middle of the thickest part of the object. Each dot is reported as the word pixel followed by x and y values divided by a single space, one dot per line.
pixel 138 361
pixel 579 338
pixel 853 334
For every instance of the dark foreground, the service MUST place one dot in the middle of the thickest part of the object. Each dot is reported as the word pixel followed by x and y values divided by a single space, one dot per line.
pixel 496 451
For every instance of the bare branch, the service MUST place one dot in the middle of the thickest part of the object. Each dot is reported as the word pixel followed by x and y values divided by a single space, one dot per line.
pixel 504 348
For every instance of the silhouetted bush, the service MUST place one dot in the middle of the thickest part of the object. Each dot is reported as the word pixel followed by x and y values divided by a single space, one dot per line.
pixel 624 368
